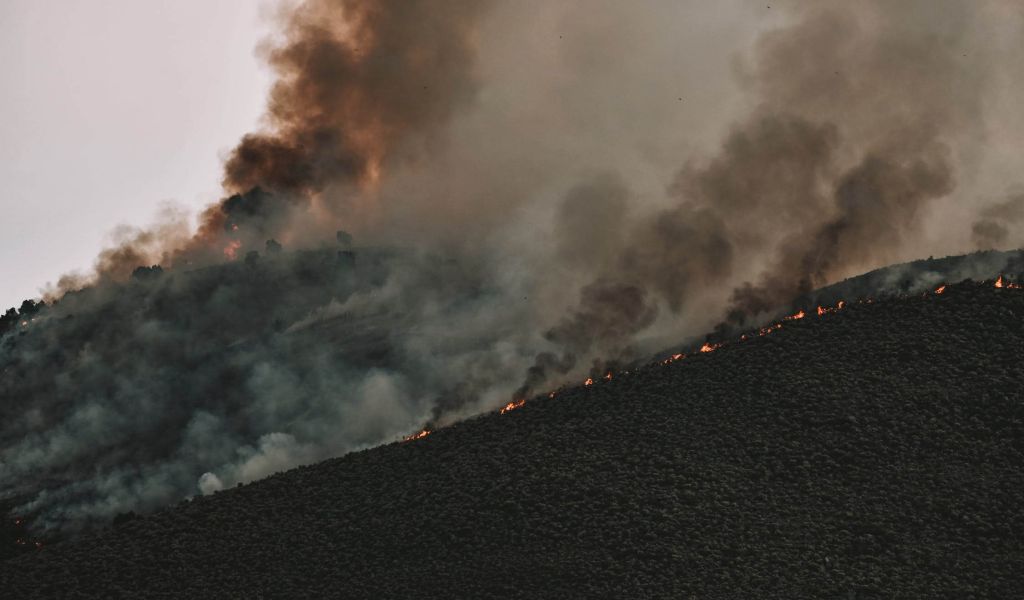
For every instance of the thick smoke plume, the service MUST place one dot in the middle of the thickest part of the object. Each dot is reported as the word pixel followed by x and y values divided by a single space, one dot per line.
pixel 357 80
pixel 536 192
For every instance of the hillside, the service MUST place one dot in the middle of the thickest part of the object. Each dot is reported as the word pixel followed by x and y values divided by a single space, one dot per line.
pixel 867 453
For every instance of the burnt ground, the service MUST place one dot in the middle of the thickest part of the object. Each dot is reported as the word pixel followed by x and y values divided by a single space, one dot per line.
pixel 873 453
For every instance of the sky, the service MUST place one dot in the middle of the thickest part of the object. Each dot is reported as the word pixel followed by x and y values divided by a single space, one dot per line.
pixel 110 109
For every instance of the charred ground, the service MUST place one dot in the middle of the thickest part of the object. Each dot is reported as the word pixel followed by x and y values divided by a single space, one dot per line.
pixel 869 452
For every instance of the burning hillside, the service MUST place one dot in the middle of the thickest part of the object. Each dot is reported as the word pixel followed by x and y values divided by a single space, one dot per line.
pixel 450 211
pixel 871 452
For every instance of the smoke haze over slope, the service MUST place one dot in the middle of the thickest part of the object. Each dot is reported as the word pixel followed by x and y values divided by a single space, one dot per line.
pixel 568 185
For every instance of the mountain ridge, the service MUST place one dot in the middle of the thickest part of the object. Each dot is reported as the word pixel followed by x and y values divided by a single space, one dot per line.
pixel 867 452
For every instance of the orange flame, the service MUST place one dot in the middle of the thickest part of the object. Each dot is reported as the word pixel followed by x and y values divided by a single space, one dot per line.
pixel 940 289
pixel 513 405
pixel 416 436
pixel 709 347
pixel 1000 283
pixel 589 381
pixel 824 310
pixel 798 315
pixel 231 250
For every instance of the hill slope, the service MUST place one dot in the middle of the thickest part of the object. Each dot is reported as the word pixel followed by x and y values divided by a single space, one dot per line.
pixel 875 451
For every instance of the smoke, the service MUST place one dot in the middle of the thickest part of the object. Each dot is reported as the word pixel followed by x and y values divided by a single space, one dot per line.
pixel 537 192
pixel 357 81
pixel 994 223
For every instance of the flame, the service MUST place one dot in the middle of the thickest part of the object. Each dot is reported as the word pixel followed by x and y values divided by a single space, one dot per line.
pixel 1001 284
pixel 231 250
pixel 416 436
pixel 513 405
pixel 711 347
pixel 824 310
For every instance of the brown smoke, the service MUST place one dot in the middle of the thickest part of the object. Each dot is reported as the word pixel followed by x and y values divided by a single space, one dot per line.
pixel 357 79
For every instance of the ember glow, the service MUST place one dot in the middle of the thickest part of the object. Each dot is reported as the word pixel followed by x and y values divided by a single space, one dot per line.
pixel 513 405
pixel 416 436
pixel 231 250
pixel 708 347
pixel 1002 284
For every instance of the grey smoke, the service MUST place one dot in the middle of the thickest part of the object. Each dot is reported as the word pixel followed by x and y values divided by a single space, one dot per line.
pixel 537 192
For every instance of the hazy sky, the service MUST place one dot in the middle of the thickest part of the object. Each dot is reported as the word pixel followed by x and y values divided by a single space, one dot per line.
pixel 108 109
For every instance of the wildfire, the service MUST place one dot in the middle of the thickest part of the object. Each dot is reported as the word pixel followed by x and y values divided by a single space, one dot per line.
pixel 673 358
pixel 513 405
pixel 416 436
pixel 231 250
pixel 824 310
pixel 1001 284
pixel 711 347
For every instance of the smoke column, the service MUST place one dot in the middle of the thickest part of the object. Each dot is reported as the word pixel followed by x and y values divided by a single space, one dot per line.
pixel 536 192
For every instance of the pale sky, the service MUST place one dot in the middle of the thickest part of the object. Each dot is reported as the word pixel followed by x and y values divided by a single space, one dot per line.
pixel 109 108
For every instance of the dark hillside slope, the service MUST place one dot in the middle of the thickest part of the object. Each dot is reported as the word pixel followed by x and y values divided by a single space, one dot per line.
pixel 873 453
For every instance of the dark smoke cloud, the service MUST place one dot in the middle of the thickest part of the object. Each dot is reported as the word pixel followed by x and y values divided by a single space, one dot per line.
pixel 847 148
pixel 548 189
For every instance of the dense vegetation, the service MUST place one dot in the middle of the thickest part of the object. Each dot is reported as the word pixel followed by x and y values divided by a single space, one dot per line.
pixel 871 453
